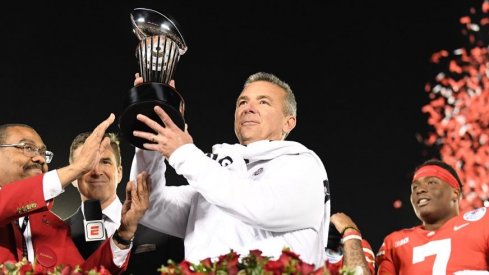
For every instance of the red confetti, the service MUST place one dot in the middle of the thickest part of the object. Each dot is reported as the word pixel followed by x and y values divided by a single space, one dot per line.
pixel 485 6
pixel 459 110
pixel 465 20
pixel 435 58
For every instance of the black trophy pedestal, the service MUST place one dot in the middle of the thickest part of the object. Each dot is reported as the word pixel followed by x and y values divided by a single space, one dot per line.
pixel 142 99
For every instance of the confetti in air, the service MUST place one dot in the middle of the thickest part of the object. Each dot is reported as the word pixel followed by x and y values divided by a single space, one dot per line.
pixel 458 109
pixel 397 204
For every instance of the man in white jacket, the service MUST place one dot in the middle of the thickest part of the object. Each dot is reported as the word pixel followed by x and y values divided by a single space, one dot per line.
pixel 264 193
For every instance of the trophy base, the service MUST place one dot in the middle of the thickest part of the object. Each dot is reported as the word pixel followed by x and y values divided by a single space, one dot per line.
pixel 142 99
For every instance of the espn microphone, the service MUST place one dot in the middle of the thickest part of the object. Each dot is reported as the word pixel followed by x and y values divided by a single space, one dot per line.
pixel 93 222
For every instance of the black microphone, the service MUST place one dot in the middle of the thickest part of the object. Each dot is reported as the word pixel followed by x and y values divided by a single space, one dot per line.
pixel 93 222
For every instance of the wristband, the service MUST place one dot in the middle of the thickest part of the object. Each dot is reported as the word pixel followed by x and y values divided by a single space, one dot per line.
pixel 349 227
pixel 120 240
pixel 350 237
pixel 351 233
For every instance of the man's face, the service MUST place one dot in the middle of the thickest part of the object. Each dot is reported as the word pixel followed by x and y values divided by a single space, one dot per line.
pixel 101 182
pixel 14 164
pixel 259 113
pixel 433 199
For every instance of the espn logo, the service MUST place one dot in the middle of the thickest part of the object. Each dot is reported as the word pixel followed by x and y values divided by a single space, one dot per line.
pixel 94 230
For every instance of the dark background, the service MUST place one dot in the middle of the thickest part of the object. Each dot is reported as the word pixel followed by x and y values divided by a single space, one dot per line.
pixel 358 71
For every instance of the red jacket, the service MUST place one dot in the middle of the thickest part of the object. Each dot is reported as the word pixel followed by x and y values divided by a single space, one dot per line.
pixel 51 236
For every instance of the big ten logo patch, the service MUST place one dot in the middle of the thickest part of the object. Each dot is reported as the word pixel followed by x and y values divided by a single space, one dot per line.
pixel 224 161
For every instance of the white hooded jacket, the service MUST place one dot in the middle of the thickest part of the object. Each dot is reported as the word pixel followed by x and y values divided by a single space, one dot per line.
pixel 267 195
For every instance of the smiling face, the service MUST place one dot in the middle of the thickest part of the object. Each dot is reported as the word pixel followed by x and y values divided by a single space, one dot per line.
pixel 260 114
pixel 14 164
pixel 434 201
pixel 101 182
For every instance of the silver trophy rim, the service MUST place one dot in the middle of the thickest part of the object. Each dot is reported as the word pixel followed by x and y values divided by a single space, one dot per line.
pixel 180 40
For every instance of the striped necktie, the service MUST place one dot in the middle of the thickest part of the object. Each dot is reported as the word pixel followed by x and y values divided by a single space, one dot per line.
pixel 22 229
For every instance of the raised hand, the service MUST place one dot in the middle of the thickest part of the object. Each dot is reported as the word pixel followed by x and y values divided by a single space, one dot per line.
pixel 169 137
pixel 90 154
pixel 135 205
pixel 342 221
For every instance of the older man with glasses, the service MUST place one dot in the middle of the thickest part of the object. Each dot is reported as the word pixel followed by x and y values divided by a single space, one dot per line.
pixel 28 229
pixel 32 150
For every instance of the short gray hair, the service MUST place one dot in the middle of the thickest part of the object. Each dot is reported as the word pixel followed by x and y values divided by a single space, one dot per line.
pixel 290 104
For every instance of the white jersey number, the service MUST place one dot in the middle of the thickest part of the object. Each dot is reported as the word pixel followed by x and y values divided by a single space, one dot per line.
pixel 441 249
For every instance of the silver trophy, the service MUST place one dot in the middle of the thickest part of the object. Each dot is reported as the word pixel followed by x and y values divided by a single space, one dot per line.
pixel 160 46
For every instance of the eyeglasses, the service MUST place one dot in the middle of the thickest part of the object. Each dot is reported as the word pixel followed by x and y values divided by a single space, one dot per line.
pixel 32 150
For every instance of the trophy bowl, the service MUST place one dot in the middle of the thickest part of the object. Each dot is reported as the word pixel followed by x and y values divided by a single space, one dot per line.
pixel 160 46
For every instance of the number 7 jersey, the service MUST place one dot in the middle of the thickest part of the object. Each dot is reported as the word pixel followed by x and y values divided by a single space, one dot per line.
pixel 461 244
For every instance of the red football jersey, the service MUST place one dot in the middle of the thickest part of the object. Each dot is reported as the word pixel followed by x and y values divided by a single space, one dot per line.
pixel 334 260
pixel 461 244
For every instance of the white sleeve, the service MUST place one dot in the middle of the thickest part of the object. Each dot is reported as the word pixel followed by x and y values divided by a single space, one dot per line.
pixel 120 255
pixel 289 195
pixel 150 161
pixel 169 209
pixel 51 185
pixel 169 205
